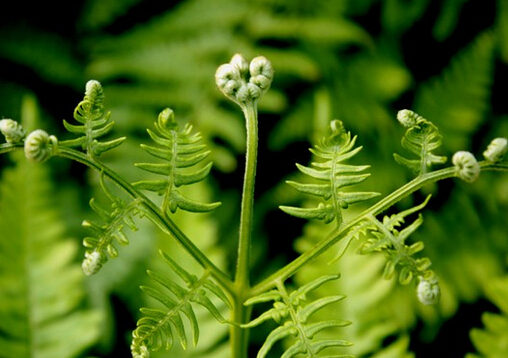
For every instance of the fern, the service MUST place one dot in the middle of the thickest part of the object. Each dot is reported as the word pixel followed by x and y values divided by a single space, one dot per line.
pixel 101 247
pixel 180 150
pixel 386 236
pixel 155 327
pixel 95 123
pixel 492 340
pixel 292 312
pixel 42 295
pixel 458 99
pixel 421 138
pixel 332 176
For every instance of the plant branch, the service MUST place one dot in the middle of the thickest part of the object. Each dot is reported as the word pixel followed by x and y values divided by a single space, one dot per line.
pixel 382 205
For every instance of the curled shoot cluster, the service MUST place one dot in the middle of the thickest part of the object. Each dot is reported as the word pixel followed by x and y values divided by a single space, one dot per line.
pixel 12 130
pixel 244 82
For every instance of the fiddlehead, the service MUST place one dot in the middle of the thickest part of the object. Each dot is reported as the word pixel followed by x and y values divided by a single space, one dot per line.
pixel 292 312
pixel 95 123
pixel 180 149
pixel 421 138
pixel 101 247
pixel 331 176
pixel 155 328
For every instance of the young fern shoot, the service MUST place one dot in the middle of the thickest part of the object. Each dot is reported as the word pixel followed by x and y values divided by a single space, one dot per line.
pixel 332 175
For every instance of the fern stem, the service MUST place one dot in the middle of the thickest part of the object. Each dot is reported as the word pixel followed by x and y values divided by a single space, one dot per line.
pixel 153 211
pixel 246 213
pixel 241 314
pixel 382 205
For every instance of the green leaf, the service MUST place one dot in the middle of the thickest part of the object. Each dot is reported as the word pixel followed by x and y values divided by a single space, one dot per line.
pixel 158 326
pixel 180 149
pixel 42 311
pixel 292 312
pixel 332 175
pixel 95 123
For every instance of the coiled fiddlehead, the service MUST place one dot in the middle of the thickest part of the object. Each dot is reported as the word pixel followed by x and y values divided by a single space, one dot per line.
pixel 95 123
pixel 180 149
pixel 101 247
pixel 331 176
pixel 155 328
pixel 421 138
pixel 292 312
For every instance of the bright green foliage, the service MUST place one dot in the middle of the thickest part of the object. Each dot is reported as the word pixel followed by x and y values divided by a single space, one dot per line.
pixel 292 312
pixel 42 290
pixel 492 340
pixel 331 176
pixel 387 236
pixel 155 328
pixel 180 149
pixel 421 138
pixel 458 99
pixel 101 247
pixel 95 123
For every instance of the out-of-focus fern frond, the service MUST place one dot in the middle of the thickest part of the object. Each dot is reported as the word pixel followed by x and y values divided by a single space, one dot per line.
pixel 331 176
pixel 95 123
pixel 421 138
pixel 42 295
pixel 458 99
pixel 292 311
pixel 158 326
pixel 180 149
pixel 492 340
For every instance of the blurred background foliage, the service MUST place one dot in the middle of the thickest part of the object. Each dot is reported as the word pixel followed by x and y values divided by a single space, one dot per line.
pixel 359 61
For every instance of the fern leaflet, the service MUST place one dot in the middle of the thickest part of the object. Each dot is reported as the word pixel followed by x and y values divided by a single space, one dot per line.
pixel 292 312
pixel 331 176
pixel 421 138
pixel 101 247
pixel 94 121
pixel 386 236
pixel 180 150
pixel 154 329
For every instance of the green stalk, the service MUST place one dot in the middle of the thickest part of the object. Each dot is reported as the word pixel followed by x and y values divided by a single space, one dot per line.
pixel 239 336
pixel 153 211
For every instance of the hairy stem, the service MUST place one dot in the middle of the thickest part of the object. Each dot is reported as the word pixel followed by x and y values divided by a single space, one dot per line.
pixel 382 205
pixel 241 314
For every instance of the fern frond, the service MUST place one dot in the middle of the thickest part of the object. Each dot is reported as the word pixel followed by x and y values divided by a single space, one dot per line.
pixel 100 247
pixel 180 149
pixel 421 138
pixel 155 328
pixel 459 98
pixel 331 176
pixel 492 340
pixel 388 237
pixel 42 311
pixel 292 312
pixel 95 123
